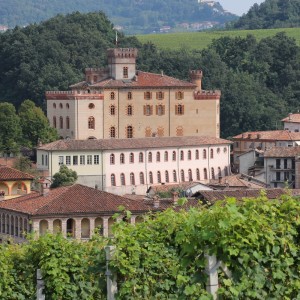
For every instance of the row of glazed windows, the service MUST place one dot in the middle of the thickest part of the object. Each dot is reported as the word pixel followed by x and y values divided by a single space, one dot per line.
pixel 14 225
pixel 61 105
pixel 190 176
pixel 148 110
pixel 166 156
pixel 149 95
pixel 79 160
pixel 91 122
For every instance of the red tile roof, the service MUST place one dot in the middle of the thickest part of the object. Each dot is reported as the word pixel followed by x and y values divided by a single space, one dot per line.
pixel 283 152
pixel 73 199
pixel 142 80
pixel 7 173
pixel 292 118
pixel 273 135
pixel 235 181
pixel 140 143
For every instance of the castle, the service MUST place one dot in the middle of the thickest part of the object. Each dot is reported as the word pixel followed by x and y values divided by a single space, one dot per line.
pixel 120 102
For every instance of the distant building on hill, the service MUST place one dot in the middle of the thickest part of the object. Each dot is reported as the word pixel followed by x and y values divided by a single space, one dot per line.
pixel 292 122
pixel 120 102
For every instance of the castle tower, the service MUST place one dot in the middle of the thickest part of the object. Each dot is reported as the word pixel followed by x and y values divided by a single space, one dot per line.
pixel 122 63
pixel 196 78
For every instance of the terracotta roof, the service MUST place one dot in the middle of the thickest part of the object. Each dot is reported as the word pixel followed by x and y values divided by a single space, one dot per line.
pixel 139 143
pixel 292 118
pixel 71 200
pixel 213 196
pixel 173 186
pixel 7 173
pixel 235 181
pixel 274 135
pixel 142 80
pixel 283 152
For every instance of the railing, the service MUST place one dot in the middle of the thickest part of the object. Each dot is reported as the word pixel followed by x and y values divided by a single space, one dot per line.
pixel 207 95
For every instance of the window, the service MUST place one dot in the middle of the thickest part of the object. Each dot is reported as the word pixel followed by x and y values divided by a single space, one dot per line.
pixel 150 177
pixel 75 160
pixel 167 176
pixel 205 173
pixel 179 131
pixel 150 157
pixel 95 78
pixel 212 173
pixel 166 156
pixel 129 95
pixel 125 72
pixel 148 110
pixel 112 132
pixel 198 174
pixel 113 179
pixel 181 155
pixel 61 122
pixel 160 131
pixel 132 179
pixel 218 150
pixel 46 160
pixel 131 158
pixel 147 95
pixel 219 172
pixel 204 154
pixel 160 110
pixel 112 159
pixel 54 122
pixel 96 159
pixel 129 110
pixel 60 105
pixel 179 109
pixel 189 155
pixel 54 105
pixel 67 122
pixel 159 95
pixel 174 156
pixel 278 176
pixel 60 160
pixel 122 158
pixel 211 153
pixel 174 176
pixel 226 171
pixel 225 150
pixel 122 177
pixel 179 95
pixel 142 179
pixel 197 154
pixel 82 159
pixel 68 160
pixel 158 177
pixel 182 175
pixel 42 159
pixel 158 156
pixel 190 175
pixel 285 163
pixel 91 123
pixel 148 132
pixel 141 157
pixel 112 96
pixel 129 132
pixel 112 110
pixel 89 160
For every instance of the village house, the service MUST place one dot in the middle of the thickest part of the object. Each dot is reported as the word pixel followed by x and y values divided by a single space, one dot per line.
pixel 123 166
pixel 119 101
pixel 292 122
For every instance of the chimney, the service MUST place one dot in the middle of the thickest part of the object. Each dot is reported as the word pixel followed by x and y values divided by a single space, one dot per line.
pixel 156 201
pixel 175 197
pixel 45 187
pixel 162 73
pixel 2 195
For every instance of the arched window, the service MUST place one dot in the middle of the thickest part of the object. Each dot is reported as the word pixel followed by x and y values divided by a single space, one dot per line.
pixel 179 131
pixel 190 175
pixel 129 131
pixel 174 156
pixel 113 179
pixel 211 153
pixel 158 156
pixel 54 105
pixel 219 172
pixel 112 132
pixel 226 171
pixel 129 95
pixel 158 177
pixel 112 96
pixel 179 95
pixel 61 122
pixel 204 154
pixel 205 173
pixel 160 110
pixel 147 95
pixel 67 122
pixel 167 176
pixel 91 123
pixel 179 109
pixel 148 132
pixel 181 155
pixel 122 158
pixel 141 157
pixel 112 159
pixel 166 156
pixel 67 106
pixel 132 179
pixel 182 175
pixel 174 176
pixel 60 105
pixel 218 150
pixel 189 155
pixel 125 72
pixel 212 173
pixel 131 158
pixel 142 179
pixel 112 109
pixel 197 154
pixel 95 78
pixel 198 174
pixel 160 95
pixel 129 110
pixel 122 178
pixel 150 177
pixel 150 157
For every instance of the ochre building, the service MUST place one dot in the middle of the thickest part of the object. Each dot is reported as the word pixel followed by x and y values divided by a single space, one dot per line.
pixel 120 102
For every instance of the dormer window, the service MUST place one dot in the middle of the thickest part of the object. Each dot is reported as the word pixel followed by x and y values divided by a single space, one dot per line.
pixel 125 72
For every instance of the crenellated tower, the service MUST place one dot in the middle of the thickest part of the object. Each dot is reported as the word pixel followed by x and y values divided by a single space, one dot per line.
pixel 196 78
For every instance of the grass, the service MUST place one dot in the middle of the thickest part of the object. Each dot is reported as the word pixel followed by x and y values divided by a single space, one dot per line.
pixel 200 40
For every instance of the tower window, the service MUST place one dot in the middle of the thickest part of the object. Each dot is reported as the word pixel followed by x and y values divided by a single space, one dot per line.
pixel 112 110
pixel 129 96
pixel 129 110
pixel 112 96
pixel 61 122
pixel 125 72
pixel 112 132
pixel 129 132
pixel 91 123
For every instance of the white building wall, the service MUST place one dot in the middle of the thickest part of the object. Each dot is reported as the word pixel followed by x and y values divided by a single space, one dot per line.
pixel 295 127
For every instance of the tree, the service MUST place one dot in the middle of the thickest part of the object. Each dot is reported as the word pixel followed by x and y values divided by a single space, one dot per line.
pixel 10 130
pixel 35 125
pixel 64 177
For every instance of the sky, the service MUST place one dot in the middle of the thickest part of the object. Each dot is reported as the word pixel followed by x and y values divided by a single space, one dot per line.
pixel 238 7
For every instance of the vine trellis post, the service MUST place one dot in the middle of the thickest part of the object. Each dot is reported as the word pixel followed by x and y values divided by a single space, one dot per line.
pixel 111 279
